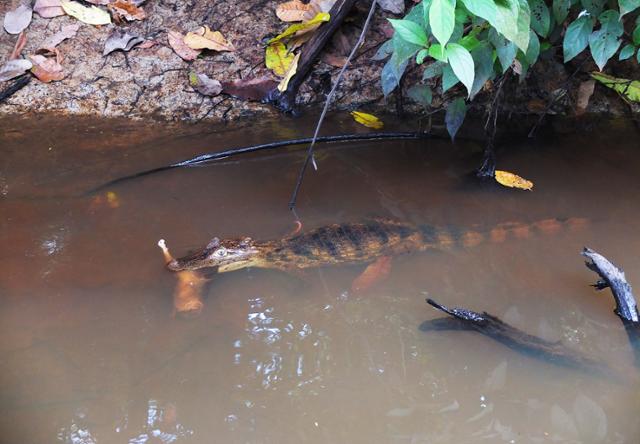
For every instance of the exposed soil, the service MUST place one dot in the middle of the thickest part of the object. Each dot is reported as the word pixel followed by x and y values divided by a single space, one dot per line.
pixel 154 81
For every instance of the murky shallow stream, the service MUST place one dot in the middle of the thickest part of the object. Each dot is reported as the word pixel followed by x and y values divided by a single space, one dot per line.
pixel 90 352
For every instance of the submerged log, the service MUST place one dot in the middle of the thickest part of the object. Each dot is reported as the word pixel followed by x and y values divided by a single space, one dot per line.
pixel 517 340
pixel 612 277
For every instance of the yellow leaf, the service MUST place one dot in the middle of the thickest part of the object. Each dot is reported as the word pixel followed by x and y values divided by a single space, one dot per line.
pixel 91 15
pixel 512 180
pixel 293 67
pixel 628 88
pixel 301 28
pixel 112 199
pixel 294 11
pixel 278 58
pixel 368 120
pixel 204 38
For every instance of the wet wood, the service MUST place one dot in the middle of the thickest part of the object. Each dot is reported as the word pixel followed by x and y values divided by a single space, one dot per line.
pixel 286 101
pixel 14 87
pixel 517 340
pixel 613 277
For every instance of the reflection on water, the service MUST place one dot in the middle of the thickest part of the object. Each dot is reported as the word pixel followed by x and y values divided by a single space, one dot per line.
pixel 90 353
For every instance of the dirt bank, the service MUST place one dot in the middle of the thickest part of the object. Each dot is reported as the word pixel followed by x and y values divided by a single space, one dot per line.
pixel 153 81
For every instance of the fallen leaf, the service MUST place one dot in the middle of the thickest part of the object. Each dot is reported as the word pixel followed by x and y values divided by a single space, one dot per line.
pixel 255 89
pixel 393 6
pixel 19 46
pixel 627 88
pixel 512 180
pixel 585 91
pixel 90 15
pixel 147 44
pixel 14 68
pixel 368 120
pixel 293 67
pixel 17 20
pixel 187 296
pixel 300 28
pixel 66 32
pixel 204 38
pixel 99 2
pixel 127 10
pixel 322 5
pixel 372 275
pixel 176 40
pixel 295 11
pixel 120 40
pixel 48 8
pixel 334 60
pixel 204 85
pixel 46 69
pixel 278 58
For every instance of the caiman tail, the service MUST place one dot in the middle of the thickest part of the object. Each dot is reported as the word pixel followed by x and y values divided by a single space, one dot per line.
pixel 351 243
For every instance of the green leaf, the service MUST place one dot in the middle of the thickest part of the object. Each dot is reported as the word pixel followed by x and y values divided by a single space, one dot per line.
pixel 636 35
pixel 524 22
pixel 561 9
pixel 533 51
pixel 422 54
pixel 454 116
pixel 483 63
pixel 507 18
pixel 485 9
pixel 409 31
pixel 540 18
pixel 433 70
pixel 383 51
pixel 391 74
pixel 628 88
pixel 605 41
pixel 461 63
pixel 626 6
pixel 438 52
pixel 449 79
pixel 593 7
pixel 403 50
pixel 421 94
pixel 576 38
pixel 426 5
pixel 442 19
pixel 469 42
pixel 627 52
pixel 505 49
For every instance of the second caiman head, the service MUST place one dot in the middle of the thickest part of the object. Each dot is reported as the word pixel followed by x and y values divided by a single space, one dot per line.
pixel 225 255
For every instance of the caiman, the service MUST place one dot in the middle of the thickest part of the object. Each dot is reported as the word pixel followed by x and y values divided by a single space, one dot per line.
pixel 349 243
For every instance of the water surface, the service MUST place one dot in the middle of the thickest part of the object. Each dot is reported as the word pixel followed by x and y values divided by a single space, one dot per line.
pixel 90 352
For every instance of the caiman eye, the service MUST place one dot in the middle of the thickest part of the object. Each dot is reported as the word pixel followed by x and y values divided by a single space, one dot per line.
pixel 221 252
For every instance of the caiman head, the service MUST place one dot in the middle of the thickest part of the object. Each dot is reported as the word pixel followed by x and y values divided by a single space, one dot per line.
pixel 226 255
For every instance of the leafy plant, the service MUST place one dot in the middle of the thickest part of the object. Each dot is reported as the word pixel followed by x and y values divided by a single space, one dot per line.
pixel 473 41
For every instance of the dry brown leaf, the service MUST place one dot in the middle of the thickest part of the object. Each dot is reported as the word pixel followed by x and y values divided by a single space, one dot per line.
pixel 147 44
pixel 255 89
pixel 204 85
pixel 585 91
pixel 47 69
pixel 372 275
pixel 120 39
pixel 90 15
pixel 204 38
pixel 14 68
pixel 295 11
pixel 66 32
pixel 17 20
pixel 176 40
pixel 19 46
pixel 48 8
pixel 126 10
pixel 334 60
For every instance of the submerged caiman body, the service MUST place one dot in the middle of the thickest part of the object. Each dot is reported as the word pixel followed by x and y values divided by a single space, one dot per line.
pixel 349 243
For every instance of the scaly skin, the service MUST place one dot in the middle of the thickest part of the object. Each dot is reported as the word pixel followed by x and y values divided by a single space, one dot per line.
pixel 347 243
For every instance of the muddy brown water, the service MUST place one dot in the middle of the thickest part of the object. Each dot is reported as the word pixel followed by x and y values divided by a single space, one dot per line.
pixel 90 352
